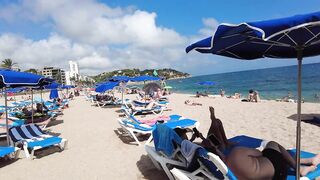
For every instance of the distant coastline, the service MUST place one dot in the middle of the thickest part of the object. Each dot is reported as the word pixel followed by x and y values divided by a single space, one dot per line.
pixel 166 73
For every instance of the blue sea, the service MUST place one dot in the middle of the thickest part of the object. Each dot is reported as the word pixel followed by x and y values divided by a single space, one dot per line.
pixel 271 83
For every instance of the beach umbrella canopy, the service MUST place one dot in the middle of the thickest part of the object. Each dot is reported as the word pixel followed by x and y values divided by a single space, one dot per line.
pixel 292 37
pixel 151 87
pixel 15 90
pixel 10 78
pixel 66 87
pixel 120 78
pixel 145 78
pixel 106 86
pixel 206 83
pixel 54 94
pixel 53 85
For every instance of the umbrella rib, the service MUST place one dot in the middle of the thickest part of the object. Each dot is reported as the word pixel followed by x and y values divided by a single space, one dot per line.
pixel 239 34
pixel 229 36
pixel 272 56
pixel 272 45
pixel 269 42
pixel 233 54
pixel 225 49
pixel 290 38
pixel 309 31
pixel 311 39
pixel 313 43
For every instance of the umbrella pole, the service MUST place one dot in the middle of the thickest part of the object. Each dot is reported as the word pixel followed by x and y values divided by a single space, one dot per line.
pixel 6 110
pixel 298 136
pixel 122 95
pixel 31 105
pixel 122 87
pixel 41 95
pixel 145 95
pixel 41 101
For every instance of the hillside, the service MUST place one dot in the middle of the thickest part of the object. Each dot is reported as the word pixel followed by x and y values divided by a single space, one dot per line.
pixel 166 73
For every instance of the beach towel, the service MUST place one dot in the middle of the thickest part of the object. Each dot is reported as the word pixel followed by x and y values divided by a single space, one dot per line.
pixel 188 150
pixel 163 137
pixel 153 121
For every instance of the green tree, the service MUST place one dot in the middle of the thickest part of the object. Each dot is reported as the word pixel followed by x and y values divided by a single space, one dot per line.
pixel 8 64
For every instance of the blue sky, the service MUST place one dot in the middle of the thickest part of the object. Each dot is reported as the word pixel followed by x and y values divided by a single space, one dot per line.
pixel 186 16
pixel 92 37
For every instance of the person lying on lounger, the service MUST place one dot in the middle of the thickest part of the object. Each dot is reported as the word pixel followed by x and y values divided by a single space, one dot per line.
pixel 249 163
pixel 41 108
pixel 192 103
pixel 151 104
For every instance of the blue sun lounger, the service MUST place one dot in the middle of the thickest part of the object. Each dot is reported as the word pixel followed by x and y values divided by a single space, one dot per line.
pixel 133 126
pixel 7 151
pixel 33 138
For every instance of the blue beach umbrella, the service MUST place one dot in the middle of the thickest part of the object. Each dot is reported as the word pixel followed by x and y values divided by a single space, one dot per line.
pixel 54 94
pixel 292 37
pixel 145 78
pixel 123 80
pixel 53 85
pixel 66 86
pixel 12 79
pixel 16 79
pixel 15 90
pixel 120 78
pixel 106 86
pixel 206 83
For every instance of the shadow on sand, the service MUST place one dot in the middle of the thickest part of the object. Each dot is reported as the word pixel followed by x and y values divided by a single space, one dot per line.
pixel 148 170
pixel 55 122
pixel 5 162
pixel 46 152
pixel 311 118
pixel 127 139
pixel 111 106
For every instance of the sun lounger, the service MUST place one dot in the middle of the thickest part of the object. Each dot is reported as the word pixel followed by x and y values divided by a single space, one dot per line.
pixel 133 111
pixel 9 151
pixel 132 126
pixel 166 155
pixel 33 138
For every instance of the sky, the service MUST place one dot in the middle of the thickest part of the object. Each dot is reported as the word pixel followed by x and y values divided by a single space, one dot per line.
pixel 106 35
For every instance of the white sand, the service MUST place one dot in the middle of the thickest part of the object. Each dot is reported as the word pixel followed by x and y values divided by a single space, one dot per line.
pixel 97 152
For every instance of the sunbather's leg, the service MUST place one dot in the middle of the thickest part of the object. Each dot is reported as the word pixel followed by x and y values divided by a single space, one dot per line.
pixel 291 161
pixel 217 129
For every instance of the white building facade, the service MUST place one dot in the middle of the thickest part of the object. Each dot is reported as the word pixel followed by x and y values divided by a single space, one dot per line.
pixel 74 74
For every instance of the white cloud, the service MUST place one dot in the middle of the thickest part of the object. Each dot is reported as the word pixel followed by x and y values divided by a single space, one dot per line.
pixel 99 37
pixel 211 26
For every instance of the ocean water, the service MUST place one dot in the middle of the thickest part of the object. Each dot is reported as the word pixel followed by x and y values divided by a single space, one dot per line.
pixel 272 83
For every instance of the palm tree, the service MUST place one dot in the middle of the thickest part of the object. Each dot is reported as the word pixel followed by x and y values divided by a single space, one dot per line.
pixel 7 64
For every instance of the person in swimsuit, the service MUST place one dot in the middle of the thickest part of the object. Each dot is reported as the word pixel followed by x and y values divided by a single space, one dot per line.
pixel 248 163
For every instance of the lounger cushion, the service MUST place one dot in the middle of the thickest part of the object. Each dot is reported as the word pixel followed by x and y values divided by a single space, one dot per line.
pixel 45 143
pixel 6 150
pixel 183 123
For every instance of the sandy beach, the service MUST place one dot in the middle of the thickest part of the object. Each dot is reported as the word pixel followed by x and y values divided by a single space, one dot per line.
pixel 96 151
